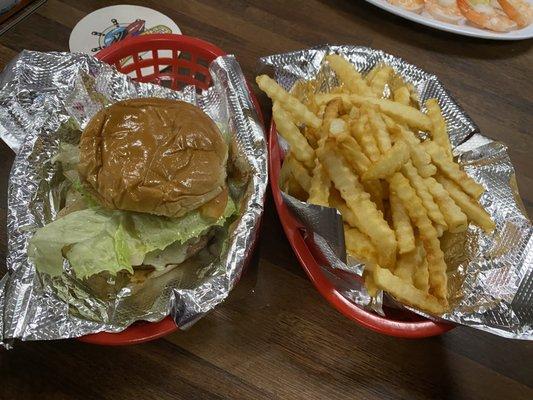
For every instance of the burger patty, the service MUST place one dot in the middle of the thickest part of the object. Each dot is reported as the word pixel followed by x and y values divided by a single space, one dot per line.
pixel 106 287
pixel 193 247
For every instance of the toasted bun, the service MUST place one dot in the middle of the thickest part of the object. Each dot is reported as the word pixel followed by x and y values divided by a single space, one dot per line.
pixel 158 156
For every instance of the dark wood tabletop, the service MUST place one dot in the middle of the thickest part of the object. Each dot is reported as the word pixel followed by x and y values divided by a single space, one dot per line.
pixel 276 337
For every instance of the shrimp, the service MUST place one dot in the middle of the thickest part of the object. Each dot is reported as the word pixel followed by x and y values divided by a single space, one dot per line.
pixel 444 10
pixel 482 14
pixel 520 11
pixel 410 5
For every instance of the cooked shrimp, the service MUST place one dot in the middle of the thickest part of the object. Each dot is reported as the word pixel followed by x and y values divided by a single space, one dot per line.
pixel 410 5
pixel 482 14
pixel 520 11
pixel 444 10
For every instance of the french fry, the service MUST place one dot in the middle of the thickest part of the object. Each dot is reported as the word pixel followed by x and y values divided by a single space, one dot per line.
pixel 438 127
pixel 401 113
pixel 370 75
pixel 390 123
pixel 338 127
pixel 385 189
pixel 311 135
pixel 437 267
pixel 324 98
pixel 284 175
pixel 405 292
pixel 420 158
pixel 452 213
pixel 367 217
pixel 353 153
pixel 380 79
pixel 295 189
pixel 304 91
pixel 470 207
pixel 336 201
pixel 347 73
pixel 290 103
pixel 330 113
pixel 374 188
pixel 354 112
pixel 346 118
pixel 319 188
pixel 402 225
pixel 396 81
pixel 401 95
pixel 359 245
pixel 421 275
pixel 407 264
pixel 422 161
pixel 321 110
pixel 452 170
pixel 367 142
pixel 293 136
pixel 414 94
pixel 389 163
pixel 418 183
pixel 379 129
pixel 299 172
pixel 370 285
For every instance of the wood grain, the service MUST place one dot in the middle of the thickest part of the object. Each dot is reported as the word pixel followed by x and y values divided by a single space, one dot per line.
pixel 276 337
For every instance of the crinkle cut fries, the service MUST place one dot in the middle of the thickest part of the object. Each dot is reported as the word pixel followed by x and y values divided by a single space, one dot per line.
pixel 398 191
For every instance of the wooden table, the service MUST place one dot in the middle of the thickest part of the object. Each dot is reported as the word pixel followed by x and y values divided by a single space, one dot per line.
pixel 276 337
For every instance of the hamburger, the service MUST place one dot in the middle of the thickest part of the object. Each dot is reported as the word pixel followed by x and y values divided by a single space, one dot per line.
pixel 146 191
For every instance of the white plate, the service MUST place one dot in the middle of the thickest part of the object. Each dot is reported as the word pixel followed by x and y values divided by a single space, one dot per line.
pixel 109 25
pixel 467 30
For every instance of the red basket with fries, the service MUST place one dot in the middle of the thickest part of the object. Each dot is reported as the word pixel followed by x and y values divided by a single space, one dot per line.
pixel 172 61
pixel 396 322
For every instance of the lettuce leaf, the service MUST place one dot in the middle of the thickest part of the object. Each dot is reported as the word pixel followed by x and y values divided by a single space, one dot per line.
pixel 46 245
pixel 172 254
pixel 68 155
pixel 157 233
pixel 97 254
pixel 96 240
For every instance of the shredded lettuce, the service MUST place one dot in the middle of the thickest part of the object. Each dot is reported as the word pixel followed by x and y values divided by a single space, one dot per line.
pixel 89 199
pixel 96 240
pixel 68 155
pixel 157 233
pixel 173 254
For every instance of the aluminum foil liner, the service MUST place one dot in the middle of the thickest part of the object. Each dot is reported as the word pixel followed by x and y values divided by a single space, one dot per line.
pixel 46 98
pixel 490 275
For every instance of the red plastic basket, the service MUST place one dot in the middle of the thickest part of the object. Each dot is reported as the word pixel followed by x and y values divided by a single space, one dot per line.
pixel 172 61
pixel 396 323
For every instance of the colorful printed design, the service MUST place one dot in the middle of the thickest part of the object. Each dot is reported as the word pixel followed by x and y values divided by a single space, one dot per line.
pixel 120 31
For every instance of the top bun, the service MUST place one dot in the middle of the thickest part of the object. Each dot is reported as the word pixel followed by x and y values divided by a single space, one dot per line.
pixel 152 155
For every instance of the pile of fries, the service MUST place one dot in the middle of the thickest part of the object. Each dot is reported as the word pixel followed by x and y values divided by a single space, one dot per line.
pixel 367 150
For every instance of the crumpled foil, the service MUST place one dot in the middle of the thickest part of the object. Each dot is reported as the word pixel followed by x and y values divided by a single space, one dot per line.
pixel 490 275
pixel 41 96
